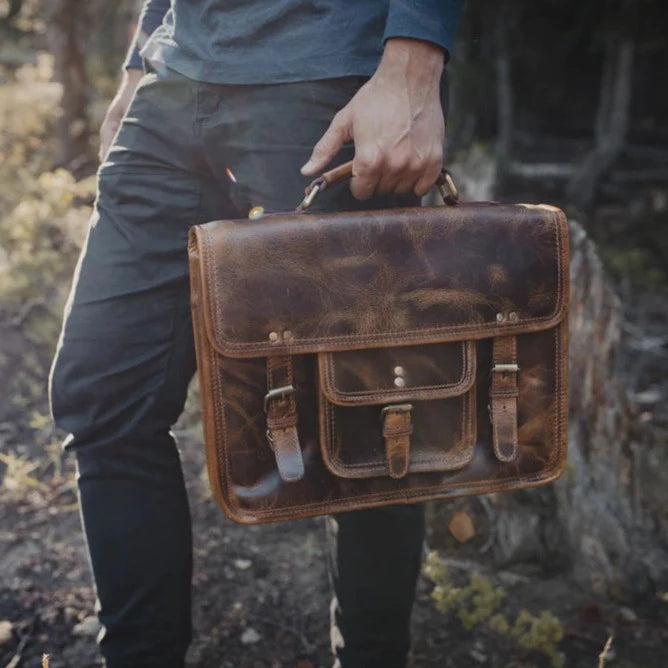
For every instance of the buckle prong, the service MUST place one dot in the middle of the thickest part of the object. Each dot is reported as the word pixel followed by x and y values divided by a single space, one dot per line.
pixel 277 393
pixel 505 368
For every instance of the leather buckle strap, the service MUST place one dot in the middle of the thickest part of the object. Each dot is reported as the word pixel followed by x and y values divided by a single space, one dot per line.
pixel 281 409
pixel 397 430
pixel 503 393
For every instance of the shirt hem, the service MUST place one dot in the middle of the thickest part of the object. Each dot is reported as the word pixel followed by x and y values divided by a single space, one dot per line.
pixel 220 72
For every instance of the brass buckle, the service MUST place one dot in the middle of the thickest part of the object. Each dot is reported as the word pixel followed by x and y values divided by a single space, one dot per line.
pixel 398 408
pixel 277 393
pixel 311 193
pixel 444 180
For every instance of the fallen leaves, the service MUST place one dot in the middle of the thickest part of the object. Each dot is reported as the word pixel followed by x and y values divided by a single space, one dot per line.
pixel 461 527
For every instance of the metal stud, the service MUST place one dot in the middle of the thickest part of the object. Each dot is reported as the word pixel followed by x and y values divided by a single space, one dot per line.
pixel 256 213
pixel 399 382
pixel 500 317
pixel 398 371
pixel 287 335
pixel 513 317
pixel 273 337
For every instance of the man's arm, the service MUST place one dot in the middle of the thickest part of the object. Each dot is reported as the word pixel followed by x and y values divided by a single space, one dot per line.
pixel 395 119
pixel 150 18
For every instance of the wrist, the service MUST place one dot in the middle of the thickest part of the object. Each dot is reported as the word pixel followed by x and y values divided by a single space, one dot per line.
pixel 413 58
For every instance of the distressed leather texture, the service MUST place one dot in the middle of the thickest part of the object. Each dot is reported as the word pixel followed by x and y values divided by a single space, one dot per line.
pixel 354 360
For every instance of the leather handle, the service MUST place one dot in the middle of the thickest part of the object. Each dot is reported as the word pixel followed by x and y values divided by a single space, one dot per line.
pixel 444 183
pixel 344 171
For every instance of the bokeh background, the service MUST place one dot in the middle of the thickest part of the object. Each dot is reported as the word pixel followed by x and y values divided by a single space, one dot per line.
pixel 562 102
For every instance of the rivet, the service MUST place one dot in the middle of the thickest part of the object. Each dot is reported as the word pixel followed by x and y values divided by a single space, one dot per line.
pixel 399 382
pixel 273 336
pixel 256 213
pixel 398 371
pixel 500 317
pixel 287 335
pixel 512 316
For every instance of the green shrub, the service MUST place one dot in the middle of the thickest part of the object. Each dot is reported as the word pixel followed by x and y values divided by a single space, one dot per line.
pixel 477 603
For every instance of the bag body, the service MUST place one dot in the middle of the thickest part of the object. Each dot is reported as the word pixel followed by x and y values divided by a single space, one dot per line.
pixel 360 359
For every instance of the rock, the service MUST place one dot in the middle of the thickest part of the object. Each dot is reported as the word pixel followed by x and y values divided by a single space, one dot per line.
pixel 90 626
pixel 250 636
pixel 627 615
pixel 605 519
pixel 518 536
pixel 243 564
pixel 477 656
pixel 5 631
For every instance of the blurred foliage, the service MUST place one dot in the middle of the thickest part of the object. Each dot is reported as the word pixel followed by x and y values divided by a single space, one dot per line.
pixel 556 50
pixel 478 602
pixel 43 216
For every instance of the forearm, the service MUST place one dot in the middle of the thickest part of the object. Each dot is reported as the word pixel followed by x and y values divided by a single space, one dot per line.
pixel 150 17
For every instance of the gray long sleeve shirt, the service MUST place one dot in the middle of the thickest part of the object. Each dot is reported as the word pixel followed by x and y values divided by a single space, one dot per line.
pixel 274 41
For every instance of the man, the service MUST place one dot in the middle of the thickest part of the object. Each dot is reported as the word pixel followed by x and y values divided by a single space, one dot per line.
pixel 258 88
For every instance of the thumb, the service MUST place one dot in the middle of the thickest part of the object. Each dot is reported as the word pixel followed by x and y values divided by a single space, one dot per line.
pixel 336 135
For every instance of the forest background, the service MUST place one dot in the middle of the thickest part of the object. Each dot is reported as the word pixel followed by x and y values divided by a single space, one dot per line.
pixel 561 102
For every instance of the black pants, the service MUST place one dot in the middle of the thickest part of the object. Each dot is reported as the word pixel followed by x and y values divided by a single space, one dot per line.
pixel 125 359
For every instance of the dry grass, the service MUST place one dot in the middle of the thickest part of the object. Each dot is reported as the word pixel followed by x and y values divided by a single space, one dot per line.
pixel 603 656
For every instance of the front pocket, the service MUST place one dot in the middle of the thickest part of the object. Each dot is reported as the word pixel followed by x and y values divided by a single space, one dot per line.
pixel 392 411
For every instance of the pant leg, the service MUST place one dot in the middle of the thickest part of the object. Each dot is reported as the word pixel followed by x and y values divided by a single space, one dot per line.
pixel 375 559
pixel 121 372
pixel 268 133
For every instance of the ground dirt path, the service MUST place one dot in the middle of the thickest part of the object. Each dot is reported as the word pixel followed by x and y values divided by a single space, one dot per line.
pixel 261 594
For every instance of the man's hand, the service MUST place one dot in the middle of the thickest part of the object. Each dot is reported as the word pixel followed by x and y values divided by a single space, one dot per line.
pixel 395 121
pixel 117 109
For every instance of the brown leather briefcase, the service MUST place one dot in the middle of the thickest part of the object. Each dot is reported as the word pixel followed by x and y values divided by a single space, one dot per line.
pixel 351 360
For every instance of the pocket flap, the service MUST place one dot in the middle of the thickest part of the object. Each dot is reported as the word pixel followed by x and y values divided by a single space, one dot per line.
pixel 397 374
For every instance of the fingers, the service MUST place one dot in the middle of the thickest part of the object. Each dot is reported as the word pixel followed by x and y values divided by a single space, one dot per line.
pixel 396 170
pixel 366 174
pixel 428 176
pixel 336 135
pixel 394 173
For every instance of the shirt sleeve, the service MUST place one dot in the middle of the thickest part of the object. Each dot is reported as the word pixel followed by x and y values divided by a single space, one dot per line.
pixel 429 20
pixel 150 17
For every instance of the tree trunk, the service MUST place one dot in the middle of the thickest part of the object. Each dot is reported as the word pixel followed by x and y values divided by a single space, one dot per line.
pixel 604 521
pixel 66 20
pixel 612 120
pixel 504 90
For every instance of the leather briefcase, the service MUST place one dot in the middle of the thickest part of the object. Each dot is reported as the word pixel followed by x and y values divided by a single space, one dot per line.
pixel 351 360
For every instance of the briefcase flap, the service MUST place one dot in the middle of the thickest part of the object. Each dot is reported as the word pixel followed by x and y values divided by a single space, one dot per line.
pixel 298 283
